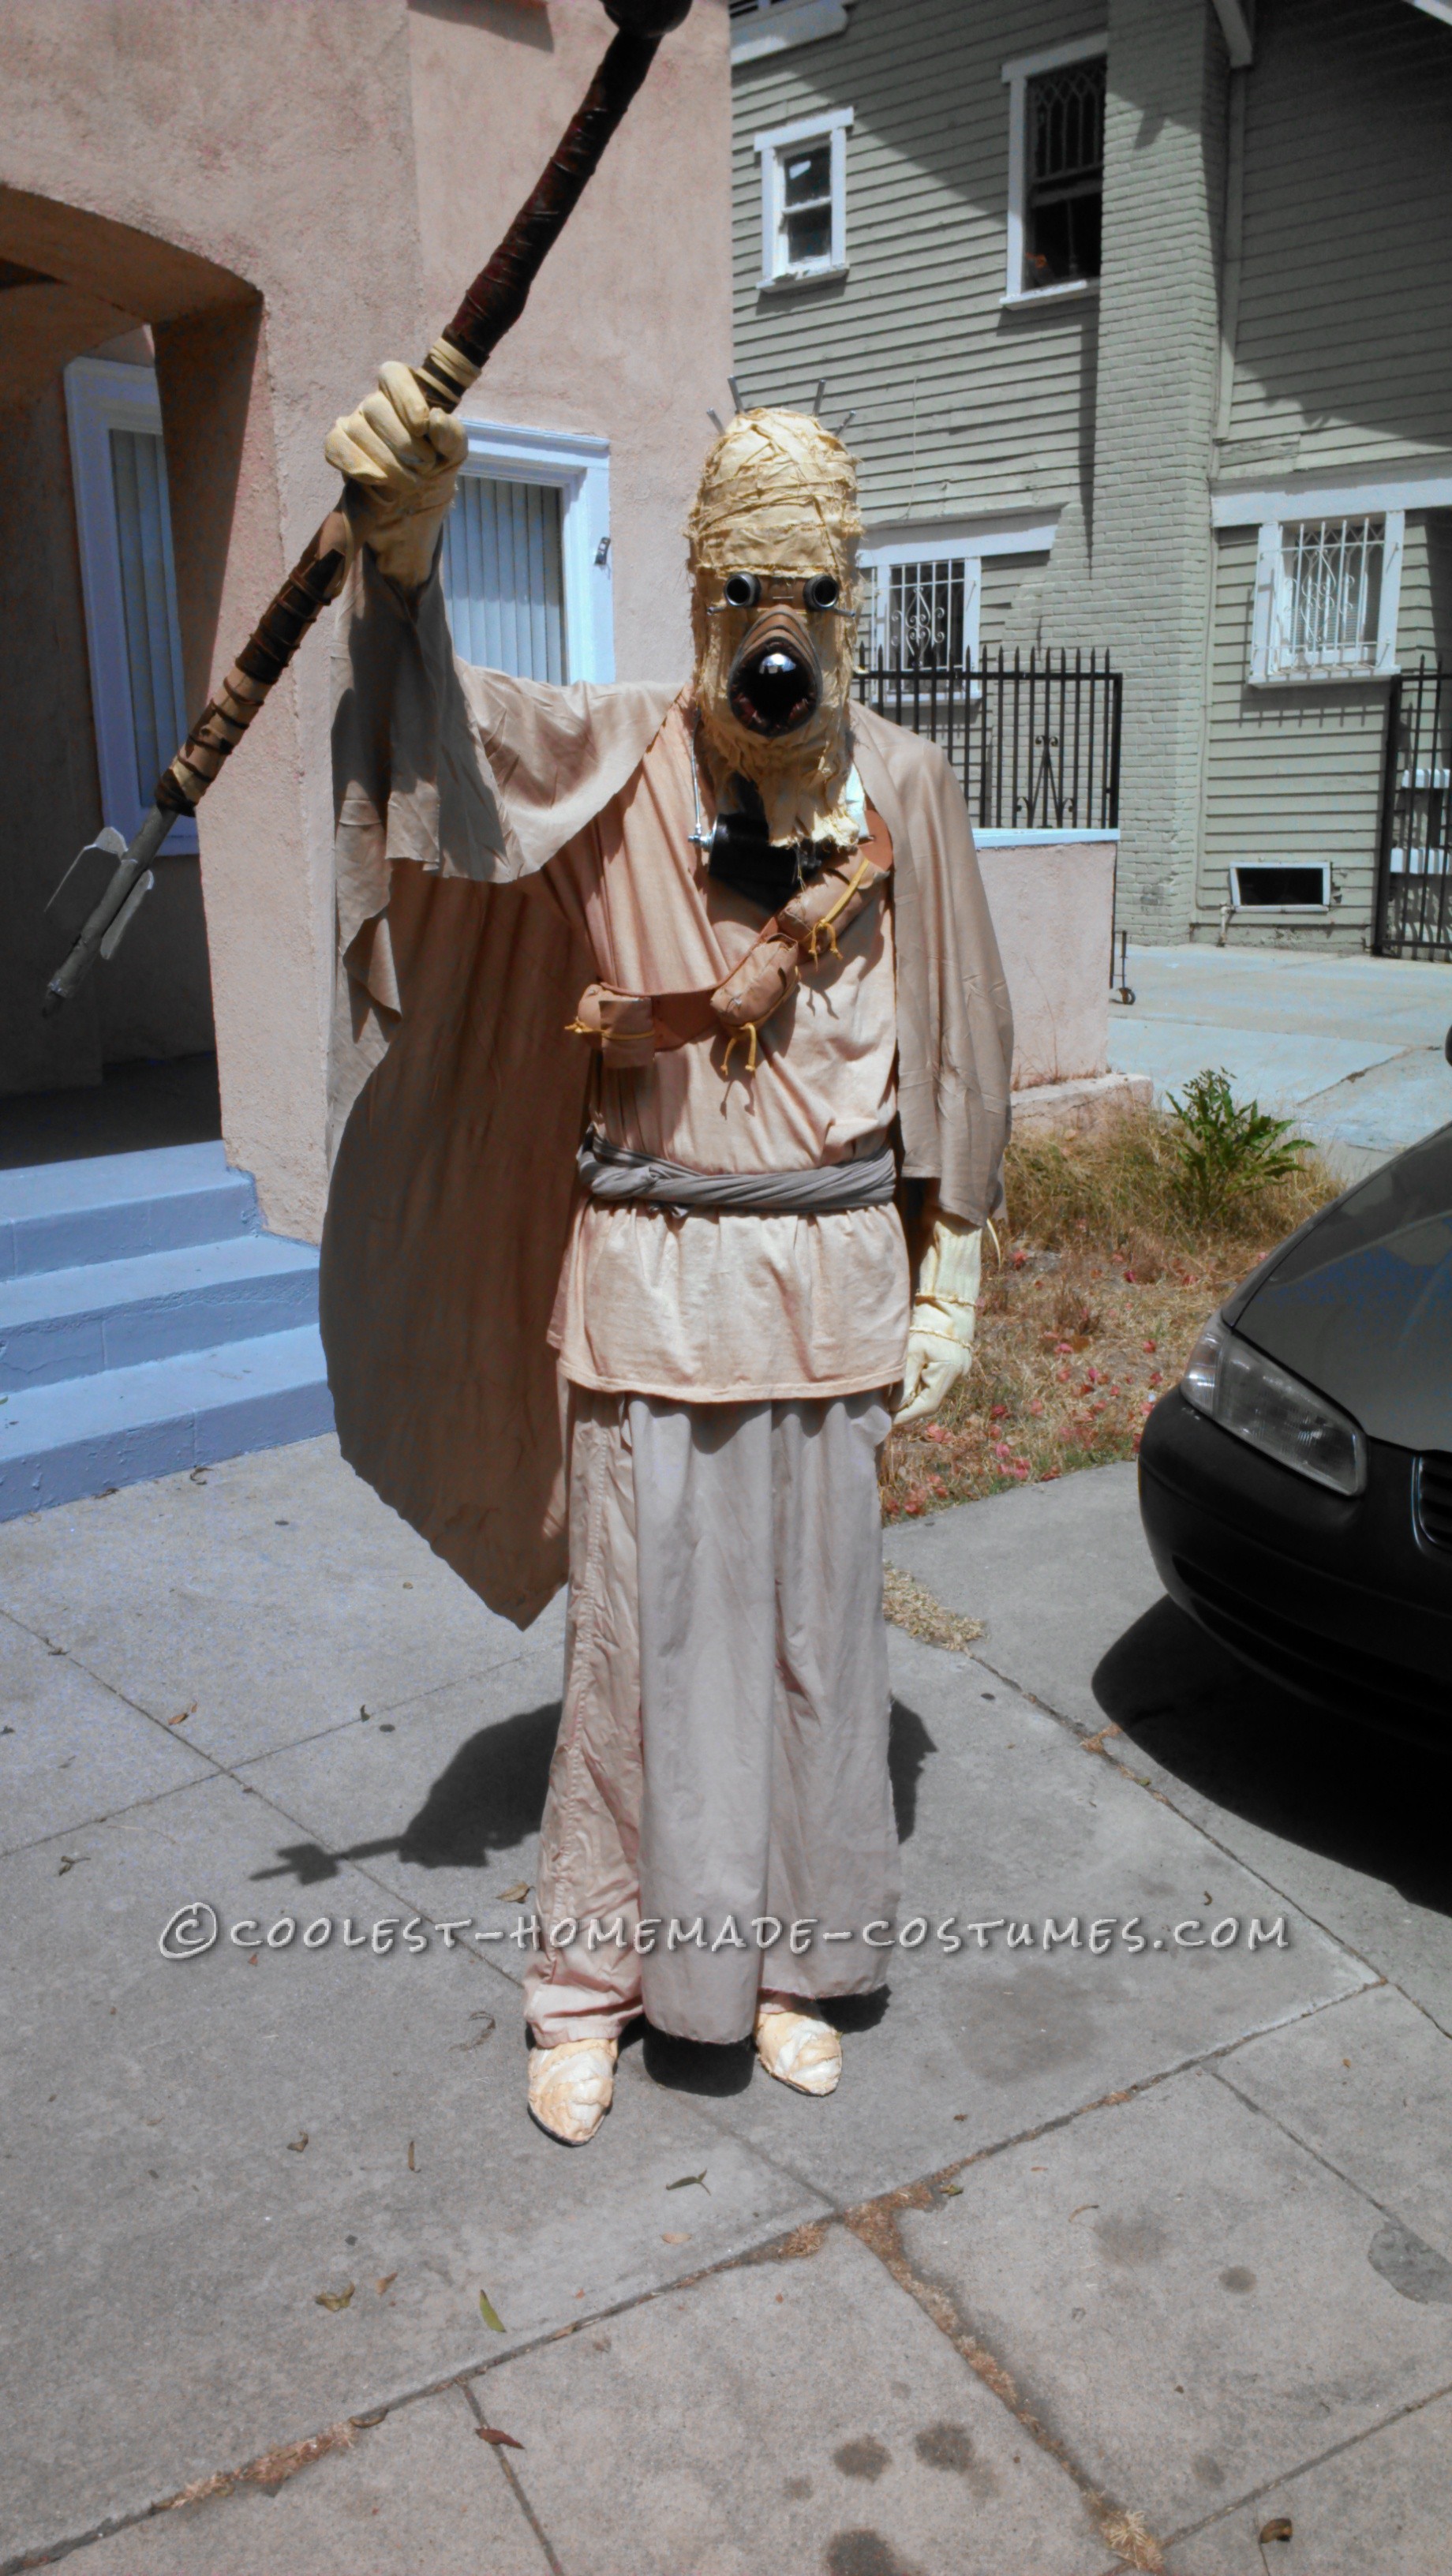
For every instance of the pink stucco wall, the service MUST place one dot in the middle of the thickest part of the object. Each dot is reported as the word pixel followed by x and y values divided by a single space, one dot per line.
pixel 1053 911
pixel 290 192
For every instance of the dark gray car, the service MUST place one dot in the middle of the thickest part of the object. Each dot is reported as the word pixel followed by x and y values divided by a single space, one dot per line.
pixel 1296 1486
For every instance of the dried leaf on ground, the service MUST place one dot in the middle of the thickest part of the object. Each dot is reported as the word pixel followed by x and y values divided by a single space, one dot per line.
pixel 1129 2539
pixel 1096 1743
pixel 490 2315
pixel 487 2019
pixel 334 2299
pixel 910 1605
pixel 502 2441
pixel 673 2236
pixel 411 2165
pixel 683 2181
pixel 183 1714
pixel 273 2469
pixel 296 2145
pixel 386 2283
pixel 1281 2528
pixel 513 1895
pixel 71 1860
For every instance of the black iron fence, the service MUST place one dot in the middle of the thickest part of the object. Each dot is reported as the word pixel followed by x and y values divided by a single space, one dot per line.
pixel 1414 888
pixel 1035 738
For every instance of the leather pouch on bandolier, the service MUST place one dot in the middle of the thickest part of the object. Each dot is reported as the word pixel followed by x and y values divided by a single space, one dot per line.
pixel 632 1027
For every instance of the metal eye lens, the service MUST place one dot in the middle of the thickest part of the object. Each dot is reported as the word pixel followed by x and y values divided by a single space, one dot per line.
pixel 741 590
pixel 822 591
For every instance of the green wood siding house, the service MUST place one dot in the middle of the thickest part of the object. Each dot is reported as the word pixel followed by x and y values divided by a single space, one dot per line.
pixel 1140 312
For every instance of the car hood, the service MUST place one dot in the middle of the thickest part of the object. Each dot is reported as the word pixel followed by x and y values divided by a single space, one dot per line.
pixel 1359 1302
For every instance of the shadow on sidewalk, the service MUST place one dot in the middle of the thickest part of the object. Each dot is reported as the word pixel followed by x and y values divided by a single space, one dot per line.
pixel 491 1796
pixel 1369 1800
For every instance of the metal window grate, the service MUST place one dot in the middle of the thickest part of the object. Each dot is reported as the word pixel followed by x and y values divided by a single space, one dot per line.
pixel 1330 602
pixel 1064 228
pixel 148 597
pixel 913 616
pixel 503 577
pixel 1414 876
pixel 1036 742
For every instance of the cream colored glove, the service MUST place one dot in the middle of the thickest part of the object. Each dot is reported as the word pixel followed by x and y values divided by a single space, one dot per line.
pixel 945 1310
pixel 402 457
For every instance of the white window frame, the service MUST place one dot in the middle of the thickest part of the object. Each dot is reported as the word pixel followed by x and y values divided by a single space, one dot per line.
pixel 578 468
pixel 103 394
pixel 969 542
pixel 1018 74
pixel 769 148
pixel 774 26
pixel 1271 664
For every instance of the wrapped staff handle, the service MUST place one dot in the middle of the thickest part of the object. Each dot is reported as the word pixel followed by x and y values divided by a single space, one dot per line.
pixel 492 305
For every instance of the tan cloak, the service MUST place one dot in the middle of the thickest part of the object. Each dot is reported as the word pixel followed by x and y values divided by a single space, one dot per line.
pixel 458 1100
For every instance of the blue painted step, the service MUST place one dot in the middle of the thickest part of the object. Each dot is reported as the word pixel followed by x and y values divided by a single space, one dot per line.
pixel 55 1215
pixel 147 1324
pixel 115 1314
pixel 85 1434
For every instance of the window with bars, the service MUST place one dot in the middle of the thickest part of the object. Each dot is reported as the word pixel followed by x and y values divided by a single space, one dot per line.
pixel 503 577
pixel 1064 192
pixel 917 612
pixel 804 198
pixel 914 616
pixel 1330 590
pixel 1326 597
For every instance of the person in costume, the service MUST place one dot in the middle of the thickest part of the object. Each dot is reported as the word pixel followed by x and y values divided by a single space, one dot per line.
pixel 670 1073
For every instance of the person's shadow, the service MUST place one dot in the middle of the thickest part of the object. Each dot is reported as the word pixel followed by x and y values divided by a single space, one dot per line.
pixel 1375 1802
pixel 487 1800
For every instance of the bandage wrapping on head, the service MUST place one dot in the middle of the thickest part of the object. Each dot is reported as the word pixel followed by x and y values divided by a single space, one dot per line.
pixel 778 498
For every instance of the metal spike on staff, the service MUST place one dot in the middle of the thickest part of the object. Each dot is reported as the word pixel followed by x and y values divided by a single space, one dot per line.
pixel 491 307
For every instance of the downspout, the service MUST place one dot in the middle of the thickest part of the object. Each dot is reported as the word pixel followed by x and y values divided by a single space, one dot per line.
pixel 1235 27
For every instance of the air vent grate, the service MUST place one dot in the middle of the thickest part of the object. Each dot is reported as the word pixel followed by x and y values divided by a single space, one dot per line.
pixel 1434 1499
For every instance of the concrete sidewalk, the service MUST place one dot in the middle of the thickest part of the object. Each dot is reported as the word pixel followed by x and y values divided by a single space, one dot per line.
pixel 1098 2258
pixel 1350 1047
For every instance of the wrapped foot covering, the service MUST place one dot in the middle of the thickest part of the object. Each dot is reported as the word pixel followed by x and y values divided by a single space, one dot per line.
pixel 797 2047
pixel 571 2087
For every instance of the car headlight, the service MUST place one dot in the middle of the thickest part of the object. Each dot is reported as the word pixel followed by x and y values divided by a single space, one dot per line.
pixel 1238 1387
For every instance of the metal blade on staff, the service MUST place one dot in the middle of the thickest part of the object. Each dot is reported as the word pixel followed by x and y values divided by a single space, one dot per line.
pixel 491 307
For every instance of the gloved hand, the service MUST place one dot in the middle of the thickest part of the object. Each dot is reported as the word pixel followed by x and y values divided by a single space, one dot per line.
pixel 945 1310
pixel 402 458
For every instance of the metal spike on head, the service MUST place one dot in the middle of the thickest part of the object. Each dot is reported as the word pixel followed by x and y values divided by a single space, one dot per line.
pixel 817 396
pixel 736 393
pixel 715 419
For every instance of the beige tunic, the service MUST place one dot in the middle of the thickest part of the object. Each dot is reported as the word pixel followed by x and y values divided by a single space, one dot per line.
pixel 721 1309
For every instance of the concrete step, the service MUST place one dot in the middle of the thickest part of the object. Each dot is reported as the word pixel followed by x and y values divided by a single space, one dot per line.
pixel 84 1435
pixel 58 1324
pixel 55 1216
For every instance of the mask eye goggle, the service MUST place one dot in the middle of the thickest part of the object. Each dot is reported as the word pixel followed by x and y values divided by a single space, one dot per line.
pixel 822 594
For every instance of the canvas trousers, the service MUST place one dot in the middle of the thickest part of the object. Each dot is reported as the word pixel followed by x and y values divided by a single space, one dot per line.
pixel 722 1757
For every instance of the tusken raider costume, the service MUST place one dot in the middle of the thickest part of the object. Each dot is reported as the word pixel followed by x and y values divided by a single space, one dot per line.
pixel 670 1071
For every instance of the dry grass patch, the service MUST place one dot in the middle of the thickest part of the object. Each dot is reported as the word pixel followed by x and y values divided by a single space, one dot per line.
pixel 1103 1278
pixel 910 1605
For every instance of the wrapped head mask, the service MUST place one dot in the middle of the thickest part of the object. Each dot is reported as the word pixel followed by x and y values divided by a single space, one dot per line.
pixel 773 543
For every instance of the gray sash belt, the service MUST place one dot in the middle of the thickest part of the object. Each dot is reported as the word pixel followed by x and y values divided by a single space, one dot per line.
pixel 620 1178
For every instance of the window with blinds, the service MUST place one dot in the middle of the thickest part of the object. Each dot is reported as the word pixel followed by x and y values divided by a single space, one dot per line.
pixel 148 602
pixel 503 576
